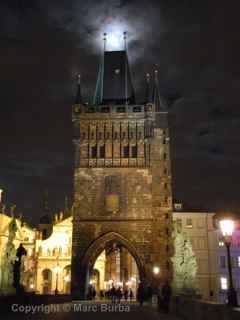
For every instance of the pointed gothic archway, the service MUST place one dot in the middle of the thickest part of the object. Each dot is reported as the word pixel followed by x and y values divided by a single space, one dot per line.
pixel 95 249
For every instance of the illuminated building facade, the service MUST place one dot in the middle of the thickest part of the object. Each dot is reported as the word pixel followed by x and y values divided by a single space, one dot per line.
pixel 122 178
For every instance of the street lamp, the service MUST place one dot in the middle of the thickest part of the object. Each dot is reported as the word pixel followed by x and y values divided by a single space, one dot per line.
pixel 57 270
pixel 156 270
pixel 227 224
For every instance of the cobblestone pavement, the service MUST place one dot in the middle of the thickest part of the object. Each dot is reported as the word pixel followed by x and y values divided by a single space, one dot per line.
pixel 78 310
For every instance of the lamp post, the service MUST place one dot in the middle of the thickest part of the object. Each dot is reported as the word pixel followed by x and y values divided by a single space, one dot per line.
pixel 57 270
pixel 227 224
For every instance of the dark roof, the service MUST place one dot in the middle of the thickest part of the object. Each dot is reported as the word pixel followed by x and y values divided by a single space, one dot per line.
pixel 114 84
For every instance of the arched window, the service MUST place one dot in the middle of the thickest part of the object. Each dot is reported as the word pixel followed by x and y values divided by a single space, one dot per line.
pixel 47 281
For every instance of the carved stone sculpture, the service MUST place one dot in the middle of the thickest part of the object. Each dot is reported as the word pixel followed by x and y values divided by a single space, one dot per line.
pixel 184 265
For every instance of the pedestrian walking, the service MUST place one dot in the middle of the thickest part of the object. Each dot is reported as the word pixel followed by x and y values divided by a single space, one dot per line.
pixel 113 294
pixel 166 296
pixel 140 294
pixel 119 294
pixel 126 294
pixel 130 294
pixel 149 294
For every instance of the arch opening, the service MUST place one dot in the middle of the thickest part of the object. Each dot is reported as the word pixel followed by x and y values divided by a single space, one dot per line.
pixel 112 261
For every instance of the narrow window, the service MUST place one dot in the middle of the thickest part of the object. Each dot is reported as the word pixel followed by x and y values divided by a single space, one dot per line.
pixel 179 224
pixel 134 151
pixel 94 152
pixel 125 151
pixel 102 151
pixel 223 282
pixel 189 223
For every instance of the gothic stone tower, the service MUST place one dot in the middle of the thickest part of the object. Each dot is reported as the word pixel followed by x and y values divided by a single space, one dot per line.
pixel 122 178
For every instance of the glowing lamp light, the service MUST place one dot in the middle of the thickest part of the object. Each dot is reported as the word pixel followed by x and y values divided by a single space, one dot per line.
pixel 129 283
pixel 156 270
pixel 119 284
pixel 227 227
pixel 133 279
pixel 31 286
pixel 1 195
pixel 57 269
pixel 67 278
pixel 110 281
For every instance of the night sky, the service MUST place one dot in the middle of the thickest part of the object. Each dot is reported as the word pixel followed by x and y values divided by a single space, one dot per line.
pixel 44 44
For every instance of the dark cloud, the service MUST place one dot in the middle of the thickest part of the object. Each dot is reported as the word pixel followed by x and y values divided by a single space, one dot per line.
pixel 45 43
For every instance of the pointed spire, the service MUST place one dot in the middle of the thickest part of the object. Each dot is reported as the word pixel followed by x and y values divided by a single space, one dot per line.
pixel 104 41
pixel 125 40
pixel 156 99
pixel 79 94
pixel 147 92
pixel 98 95
pixel 126 67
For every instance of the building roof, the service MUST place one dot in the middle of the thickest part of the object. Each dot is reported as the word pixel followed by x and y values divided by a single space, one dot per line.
pixel 114 84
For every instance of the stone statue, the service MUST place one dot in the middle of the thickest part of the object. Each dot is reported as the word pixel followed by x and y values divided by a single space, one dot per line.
pixel 8 259
pixel 18 268
pixel 184 265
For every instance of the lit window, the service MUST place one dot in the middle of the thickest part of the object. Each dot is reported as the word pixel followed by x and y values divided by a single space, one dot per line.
pixel 223 282
pixel 189 223
pixel 239 262
pixel 221 243
pixel 234 261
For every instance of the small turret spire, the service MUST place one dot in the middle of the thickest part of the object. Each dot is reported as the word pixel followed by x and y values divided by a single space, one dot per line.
pixel 126 67
pixel 79 94
pixel 147 92
pixel 125 40
pixel 104 41
pixel 156 99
